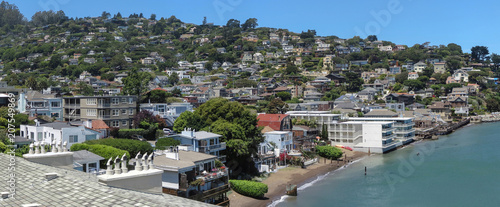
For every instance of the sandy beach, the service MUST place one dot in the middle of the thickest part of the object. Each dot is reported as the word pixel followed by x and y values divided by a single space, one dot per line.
pixel 291 175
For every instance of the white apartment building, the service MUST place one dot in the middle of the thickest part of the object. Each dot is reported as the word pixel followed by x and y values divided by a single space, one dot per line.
pixel 374 137
pixel 403 126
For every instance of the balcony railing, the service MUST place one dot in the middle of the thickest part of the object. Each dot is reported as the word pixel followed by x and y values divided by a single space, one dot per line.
pixel 209 193
pixel 404 131
pixel 217 146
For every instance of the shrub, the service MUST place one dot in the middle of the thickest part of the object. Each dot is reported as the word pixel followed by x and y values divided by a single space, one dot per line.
pixel 329 152
pixel 162 143
pixel 249 188
pixel 127 133
pixel 3 147
pixel 101 150
pixel 131 146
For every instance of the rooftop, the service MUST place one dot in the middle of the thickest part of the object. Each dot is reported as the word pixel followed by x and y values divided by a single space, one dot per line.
pixel 186 159
pixel 84 156
pixel 75 188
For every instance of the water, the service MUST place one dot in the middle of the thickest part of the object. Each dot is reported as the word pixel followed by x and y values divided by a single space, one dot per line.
pixel 461 169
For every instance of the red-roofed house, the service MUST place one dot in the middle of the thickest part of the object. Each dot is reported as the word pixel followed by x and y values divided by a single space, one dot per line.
pixel 100 125
pixel 278 122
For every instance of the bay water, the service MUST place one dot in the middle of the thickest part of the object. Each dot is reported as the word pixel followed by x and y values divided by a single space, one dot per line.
pixel 460 169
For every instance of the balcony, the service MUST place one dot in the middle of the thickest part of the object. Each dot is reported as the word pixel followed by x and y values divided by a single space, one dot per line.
pixel 210 193
pixel 404 131
pixel 222 158
pixel 104 117
pixel 218 173
pixel 396 124
pixel 217 147
pixel 211 148
pixel 103 105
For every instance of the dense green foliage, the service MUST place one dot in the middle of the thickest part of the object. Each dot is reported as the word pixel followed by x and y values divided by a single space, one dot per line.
pixel 237 126
pixel 166 142
pixel 328 152
pixel 102 150
pixel 131 146
pixel 249 188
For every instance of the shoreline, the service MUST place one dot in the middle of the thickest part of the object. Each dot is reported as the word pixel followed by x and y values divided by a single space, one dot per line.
pixel 301 177
pixel 292 175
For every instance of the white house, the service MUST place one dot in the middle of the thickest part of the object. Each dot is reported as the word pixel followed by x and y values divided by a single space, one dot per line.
pixel 376 137
pixel 58 131
pixel 419 67
pixel 412 76
pixel 279 140
pixel 460 75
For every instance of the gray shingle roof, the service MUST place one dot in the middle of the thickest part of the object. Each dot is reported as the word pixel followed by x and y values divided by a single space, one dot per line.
pixel 74 188
pixel 84 156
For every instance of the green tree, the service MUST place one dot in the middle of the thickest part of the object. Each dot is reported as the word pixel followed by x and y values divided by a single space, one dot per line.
pixel 277 106
pixel 479 53
pixel 354 82
pixel 173 79
pixel 136 83
pixel 250 23
pixel 237 125
pixel 372 38
pixel 158 96
pixel 284 96
pixel 153 17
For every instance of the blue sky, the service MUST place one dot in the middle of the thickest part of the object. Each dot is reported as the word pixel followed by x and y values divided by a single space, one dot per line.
pixel 467 23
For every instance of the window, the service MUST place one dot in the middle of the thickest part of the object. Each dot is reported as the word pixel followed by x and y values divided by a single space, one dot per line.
pixel 124 123
pixel 131 111
pixel 92 101
pixel 73 138
pixel 124 111
pixel 115 112
pixel 124 100
pixel 55 104
pixel 32 135
pixel 115 123
pixel 91 112
pixel 114 101
pixel 130 100
pixel 40 136
pixel 90 137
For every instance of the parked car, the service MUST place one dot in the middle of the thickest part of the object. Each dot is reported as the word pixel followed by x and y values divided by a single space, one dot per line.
pixel 138 137
pixel 168 131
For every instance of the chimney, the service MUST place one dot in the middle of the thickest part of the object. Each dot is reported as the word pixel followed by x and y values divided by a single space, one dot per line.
pixel 37 123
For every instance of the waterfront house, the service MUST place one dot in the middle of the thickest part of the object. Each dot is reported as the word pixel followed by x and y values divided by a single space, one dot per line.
pixel 443 109
pixel 180 170
pixel 202 141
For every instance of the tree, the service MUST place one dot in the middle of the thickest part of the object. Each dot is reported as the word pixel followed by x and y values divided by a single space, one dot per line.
pixel 250 23
pixel 372 38
pixel 173 78
pixel 105 15
pixel 118 15
pixel 479 53
pixel 237 126
pixel 277 106
pixel 188 119
pixel 284 96
pixel 31 83
pixel 414 85
pixel 400 78
pixel 158 96
pixel 162 143
pixel 354 82
pixel 136 83
pixel 453 63
pixel 233 23
pixel 10 15
pixel 204 21
pixel 153 17
pixel 291 69
pixel 324 132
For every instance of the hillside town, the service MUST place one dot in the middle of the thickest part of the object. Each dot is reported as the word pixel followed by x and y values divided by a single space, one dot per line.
pixel 202 105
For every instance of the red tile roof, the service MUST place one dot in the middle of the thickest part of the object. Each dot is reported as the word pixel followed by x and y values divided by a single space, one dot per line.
pixel 99 124
pixel 271 120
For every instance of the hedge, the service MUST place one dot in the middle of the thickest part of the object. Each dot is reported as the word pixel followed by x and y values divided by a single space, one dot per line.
pixel 249 188
pixel 127 133
pixel 101 150
pixel 162 143
pixel 129 145
pixel 329 152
